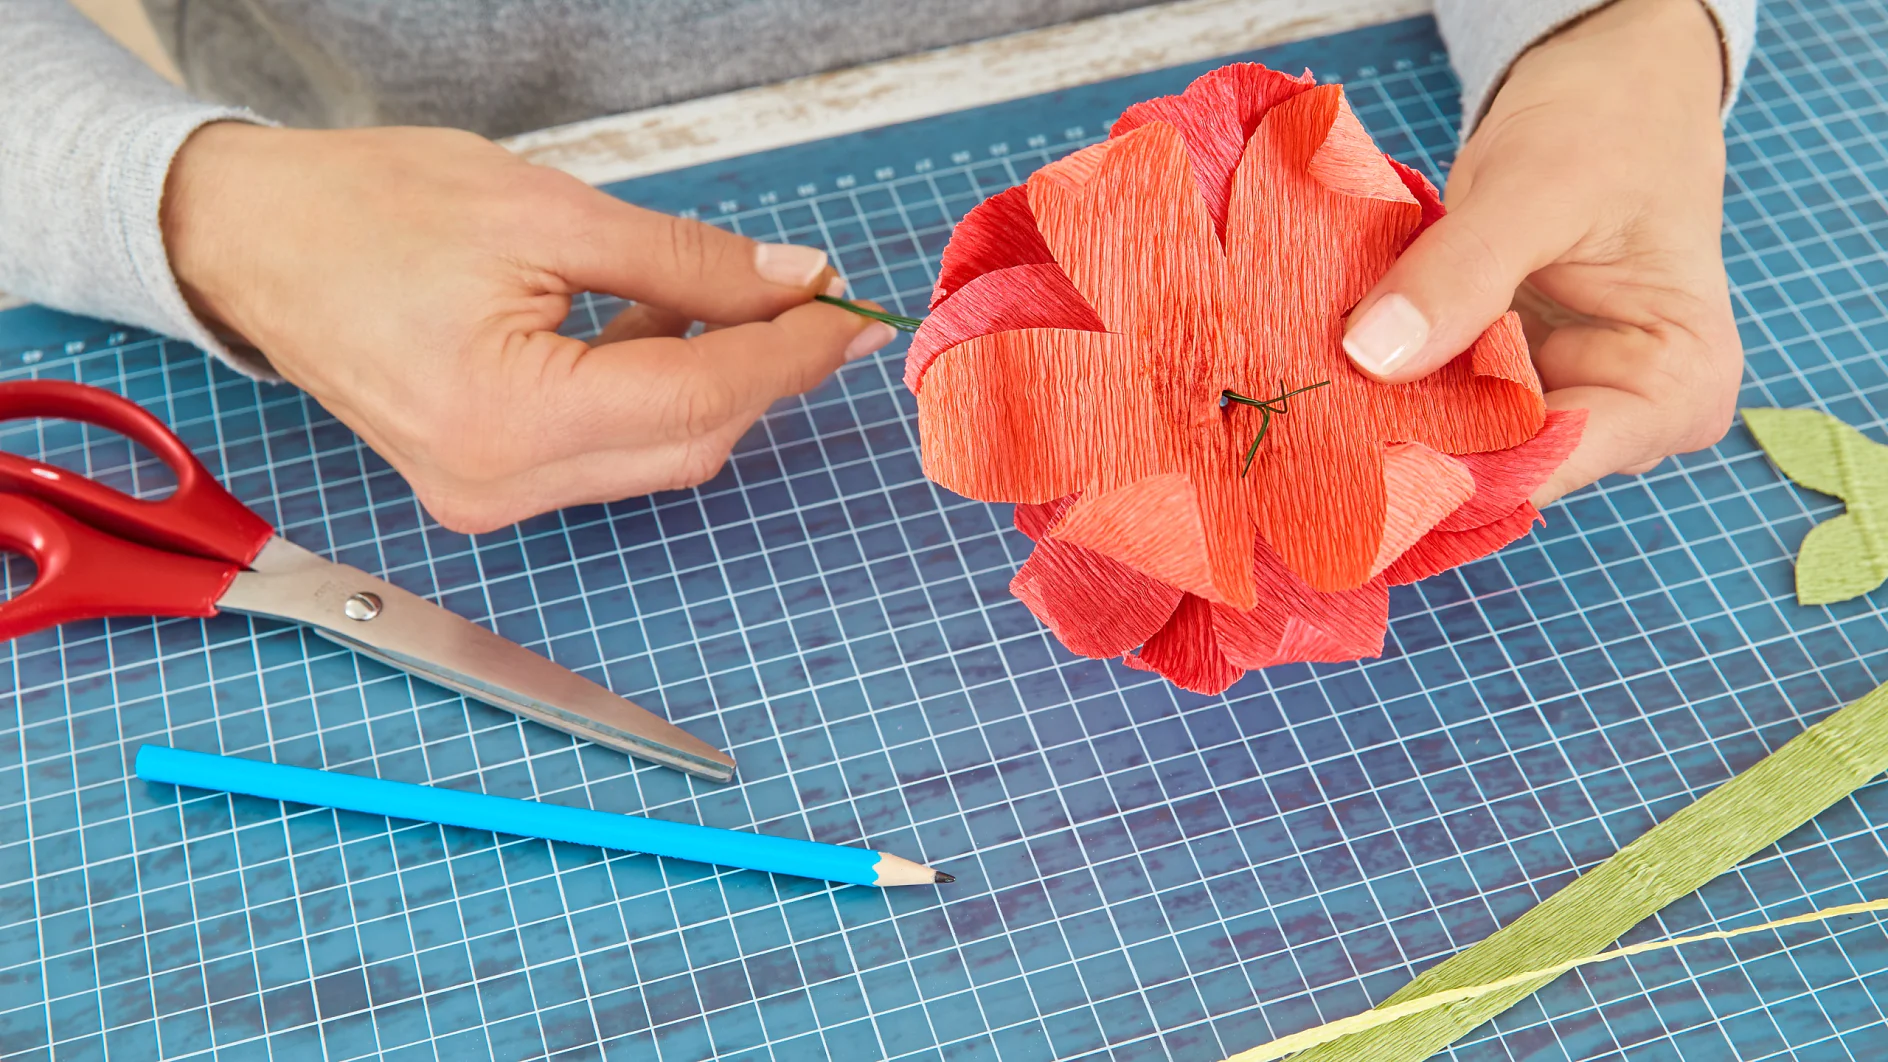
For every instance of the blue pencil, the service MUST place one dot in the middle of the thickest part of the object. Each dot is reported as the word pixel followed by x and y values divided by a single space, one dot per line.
pixel 425 803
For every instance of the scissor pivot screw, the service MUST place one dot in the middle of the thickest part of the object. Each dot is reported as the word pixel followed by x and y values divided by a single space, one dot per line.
pixel 362 606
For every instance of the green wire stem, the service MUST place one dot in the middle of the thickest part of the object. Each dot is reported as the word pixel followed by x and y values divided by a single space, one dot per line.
pixel 1266 408
pixel 903 324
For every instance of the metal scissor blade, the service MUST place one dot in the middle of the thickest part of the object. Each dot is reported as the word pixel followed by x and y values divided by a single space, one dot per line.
pixel 380 620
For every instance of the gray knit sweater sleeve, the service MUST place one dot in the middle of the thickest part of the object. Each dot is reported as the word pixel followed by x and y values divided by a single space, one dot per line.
pixel 87 133
pixel 1485 37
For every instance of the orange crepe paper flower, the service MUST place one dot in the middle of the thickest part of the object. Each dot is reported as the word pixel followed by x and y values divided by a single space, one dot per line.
pixel 1087 326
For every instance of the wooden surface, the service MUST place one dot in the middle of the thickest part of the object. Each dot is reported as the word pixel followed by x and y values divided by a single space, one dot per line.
pixel 127 23
pixel 621 146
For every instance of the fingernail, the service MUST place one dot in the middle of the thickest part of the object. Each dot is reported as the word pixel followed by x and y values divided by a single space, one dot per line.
pixel 788 264
pixel 1387 335
pixel 875 335
pixel 836 286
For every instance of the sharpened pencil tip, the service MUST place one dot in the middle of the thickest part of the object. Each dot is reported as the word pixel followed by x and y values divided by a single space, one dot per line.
pixel 943 878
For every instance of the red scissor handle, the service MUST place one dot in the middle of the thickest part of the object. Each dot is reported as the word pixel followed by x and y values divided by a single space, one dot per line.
pixel 85 573
pixel 200 517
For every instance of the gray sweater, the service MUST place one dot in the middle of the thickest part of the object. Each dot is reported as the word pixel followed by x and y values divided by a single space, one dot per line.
pixel 87 132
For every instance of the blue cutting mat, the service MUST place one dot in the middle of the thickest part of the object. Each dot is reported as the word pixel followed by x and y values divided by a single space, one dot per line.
pixel 1142 874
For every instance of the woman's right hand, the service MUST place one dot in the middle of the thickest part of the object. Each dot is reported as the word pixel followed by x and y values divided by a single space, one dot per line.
pixel 413 280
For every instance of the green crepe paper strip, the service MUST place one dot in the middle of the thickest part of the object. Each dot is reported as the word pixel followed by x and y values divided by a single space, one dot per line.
pixel 1674 859
pixel 1848 556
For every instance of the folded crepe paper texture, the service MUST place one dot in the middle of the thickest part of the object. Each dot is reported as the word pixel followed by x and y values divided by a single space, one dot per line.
pixel 1845 557
pixel 1088 326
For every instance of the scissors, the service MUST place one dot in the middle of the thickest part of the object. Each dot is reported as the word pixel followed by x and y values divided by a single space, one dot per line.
pixel 198 552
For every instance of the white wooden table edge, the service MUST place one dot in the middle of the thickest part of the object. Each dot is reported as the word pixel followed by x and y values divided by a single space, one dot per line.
pixel 618 147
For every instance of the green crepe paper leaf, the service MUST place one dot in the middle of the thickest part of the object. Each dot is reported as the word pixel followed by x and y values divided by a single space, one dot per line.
pixel 1848 556
pixel 1835 563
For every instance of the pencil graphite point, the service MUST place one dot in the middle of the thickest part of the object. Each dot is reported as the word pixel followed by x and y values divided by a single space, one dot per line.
pixel 945 879
pixel 897 870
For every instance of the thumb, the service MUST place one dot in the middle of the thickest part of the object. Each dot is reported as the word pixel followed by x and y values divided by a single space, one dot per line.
pixel 1451 284
pixel 690 267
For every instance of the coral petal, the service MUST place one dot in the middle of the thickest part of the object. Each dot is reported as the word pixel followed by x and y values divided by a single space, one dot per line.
pixel 1348 163
pixel 1324 510
pixel 1500 352
pixel 1153 524
pixel 1130 231
pixel 1024 296
pixel 1216 116
pixel 996 234
pixel 1439 550
pixel 1095 605
pixel 1505 478
pixel 1187 652
pixel 1421 487
pixel 997 411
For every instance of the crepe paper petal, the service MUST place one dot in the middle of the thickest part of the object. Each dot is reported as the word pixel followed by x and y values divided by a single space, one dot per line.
pixel 1002 418
pixel 1425 193
pixel 1422 487
pixel 1505 478
pixel 1095 605
pixel 996 234
pixel 1216 116
pixel 1154 524
pixel 1845 557
pixel 1352 622
pixel 1124 221
pixel 1186 652
pixel 1347 161
pixel 1440 550
pixel 1034 520
pixel 1023 296
pixel 1304 643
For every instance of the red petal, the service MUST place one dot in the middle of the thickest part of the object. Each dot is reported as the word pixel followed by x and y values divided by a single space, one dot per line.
pixel 1095 605
pixel 1155 524
pixel 1186 651
pixel 1353 621
pixel 1035 519
pixel 1440 550
pixel 1305 644
pixel 1425 194
pixel 997 233
pixel 1024 296
pixel 1504 478
pixel 1216 116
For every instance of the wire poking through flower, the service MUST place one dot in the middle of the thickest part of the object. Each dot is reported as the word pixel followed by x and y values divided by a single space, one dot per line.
pixel 1266 407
